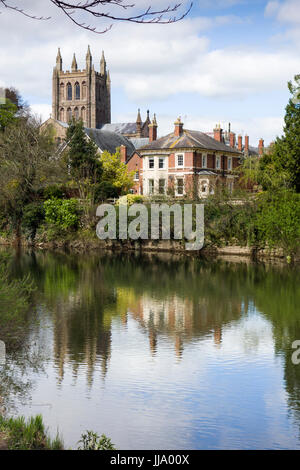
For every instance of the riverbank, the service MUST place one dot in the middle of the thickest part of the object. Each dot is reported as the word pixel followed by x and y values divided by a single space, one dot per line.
pixel 82 244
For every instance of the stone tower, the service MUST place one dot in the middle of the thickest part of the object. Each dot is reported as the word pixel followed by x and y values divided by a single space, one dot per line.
pixel 81 94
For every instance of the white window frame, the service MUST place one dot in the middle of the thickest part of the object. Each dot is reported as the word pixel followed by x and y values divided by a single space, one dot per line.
pixel 202 183
pixel 176 160
pixel 229 159
pixel 204 159
pixel 149 192
pixel 164 163
pixel 218 159
pixel 137 175
pixel 176 189
pixel 151 158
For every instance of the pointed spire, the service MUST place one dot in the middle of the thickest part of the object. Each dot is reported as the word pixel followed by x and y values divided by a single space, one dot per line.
pixel 74 64
pixel 58 60
pixel 89 58
pixel 103 64
pixel 154 122
pixel 108 78
pixel 139 119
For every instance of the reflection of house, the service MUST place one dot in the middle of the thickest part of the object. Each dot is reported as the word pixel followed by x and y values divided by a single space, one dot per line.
pixel 184 162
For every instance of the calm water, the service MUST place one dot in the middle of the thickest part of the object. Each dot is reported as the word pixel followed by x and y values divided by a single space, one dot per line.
pixel 160 352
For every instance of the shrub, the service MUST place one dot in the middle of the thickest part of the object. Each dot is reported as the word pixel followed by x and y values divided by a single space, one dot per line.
pixel 62 213
pixel 33 216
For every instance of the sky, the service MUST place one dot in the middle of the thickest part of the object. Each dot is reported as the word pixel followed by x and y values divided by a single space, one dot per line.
pixel 227 61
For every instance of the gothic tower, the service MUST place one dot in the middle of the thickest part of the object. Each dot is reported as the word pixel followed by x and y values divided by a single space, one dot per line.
pixel 81 94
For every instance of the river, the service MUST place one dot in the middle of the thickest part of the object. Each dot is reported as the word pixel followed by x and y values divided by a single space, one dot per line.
pixel 159 351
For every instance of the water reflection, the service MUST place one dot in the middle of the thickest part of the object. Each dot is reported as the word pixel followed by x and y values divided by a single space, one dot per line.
pixel 177 305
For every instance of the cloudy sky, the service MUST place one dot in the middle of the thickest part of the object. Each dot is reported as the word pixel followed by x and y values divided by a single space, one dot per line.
pixel 228 61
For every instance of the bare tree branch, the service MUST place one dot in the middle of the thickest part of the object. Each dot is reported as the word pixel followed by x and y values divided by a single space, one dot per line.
pixel 95 9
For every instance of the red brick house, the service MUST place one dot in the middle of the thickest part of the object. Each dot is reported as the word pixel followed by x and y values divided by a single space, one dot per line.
pixel 185 162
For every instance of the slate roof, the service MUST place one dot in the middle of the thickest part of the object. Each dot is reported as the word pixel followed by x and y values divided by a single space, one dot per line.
pixel 110 141
pixel 189 139
pixel 139 142
pixel 120 128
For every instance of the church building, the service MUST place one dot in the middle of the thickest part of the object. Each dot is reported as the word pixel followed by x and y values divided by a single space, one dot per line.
pixel 81 94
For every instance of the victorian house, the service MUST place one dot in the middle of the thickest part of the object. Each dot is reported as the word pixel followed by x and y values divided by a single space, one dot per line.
pixel 185 162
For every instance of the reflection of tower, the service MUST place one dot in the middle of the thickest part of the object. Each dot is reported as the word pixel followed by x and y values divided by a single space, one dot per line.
pixel 218 336
pixel 153 340
pixel 178 346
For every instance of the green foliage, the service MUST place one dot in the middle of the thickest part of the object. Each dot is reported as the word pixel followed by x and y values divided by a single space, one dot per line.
pixel 20 434
pixel 14 303
pixel 53 191
pixel 82 154
pixel 278 220
pixel 115 174
pixel 62 213
pixel 33 216
pixel 91 441
pixel 7 114
pixel 280 167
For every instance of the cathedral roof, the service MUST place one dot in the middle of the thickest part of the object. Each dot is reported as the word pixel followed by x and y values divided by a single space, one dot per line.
pixel 120 128
pixel 110 141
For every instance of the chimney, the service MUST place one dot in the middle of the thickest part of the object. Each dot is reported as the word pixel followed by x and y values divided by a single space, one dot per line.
pixel 123 153
pixel 153 130
pixel 240 143
pixel 218 133
pixel 178 127
pixel 232 139
pixel 261 147
pixel 246 144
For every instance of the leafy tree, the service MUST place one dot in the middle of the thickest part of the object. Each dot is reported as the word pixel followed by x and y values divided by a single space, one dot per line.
pixel 280 166
pixel 27 164
pixel 278 220
pixel 8 112
pixel 115 174
pixel 84 162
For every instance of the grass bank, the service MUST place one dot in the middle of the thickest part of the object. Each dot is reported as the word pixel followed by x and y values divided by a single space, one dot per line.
pixel 19 434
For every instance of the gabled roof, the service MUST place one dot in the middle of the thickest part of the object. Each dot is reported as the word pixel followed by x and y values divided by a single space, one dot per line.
pixel 109 141
pixel 189 139
pixel 139 142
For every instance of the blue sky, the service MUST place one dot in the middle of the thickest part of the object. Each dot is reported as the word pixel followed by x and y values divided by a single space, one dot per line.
pixel 228 61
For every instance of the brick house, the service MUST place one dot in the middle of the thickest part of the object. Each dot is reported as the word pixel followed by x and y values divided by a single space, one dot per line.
pixel 185 162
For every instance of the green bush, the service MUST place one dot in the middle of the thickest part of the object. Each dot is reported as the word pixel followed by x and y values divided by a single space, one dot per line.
pixel 54 191
pixel 33 216
pixel 62 213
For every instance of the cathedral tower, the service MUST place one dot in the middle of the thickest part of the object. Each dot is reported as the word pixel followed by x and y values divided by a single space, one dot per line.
pixel 81 94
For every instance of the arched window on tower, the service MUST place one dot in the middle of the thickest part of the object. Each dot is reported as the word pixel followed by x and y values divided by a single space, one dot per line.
pixel 83 115
pixel 76 113
pixel 69 114
pixel 69 91
pixel 77 91
pixel 62 91
pixel 62 114
pixel 83 90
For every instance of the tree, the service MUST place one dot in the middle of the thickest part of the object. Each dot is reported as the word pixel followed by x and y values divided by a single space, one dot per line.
pixel 115 179
pixel 84 162
pixel 8 112
pixel 281 164
pixel 97 10
pixel 27 164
